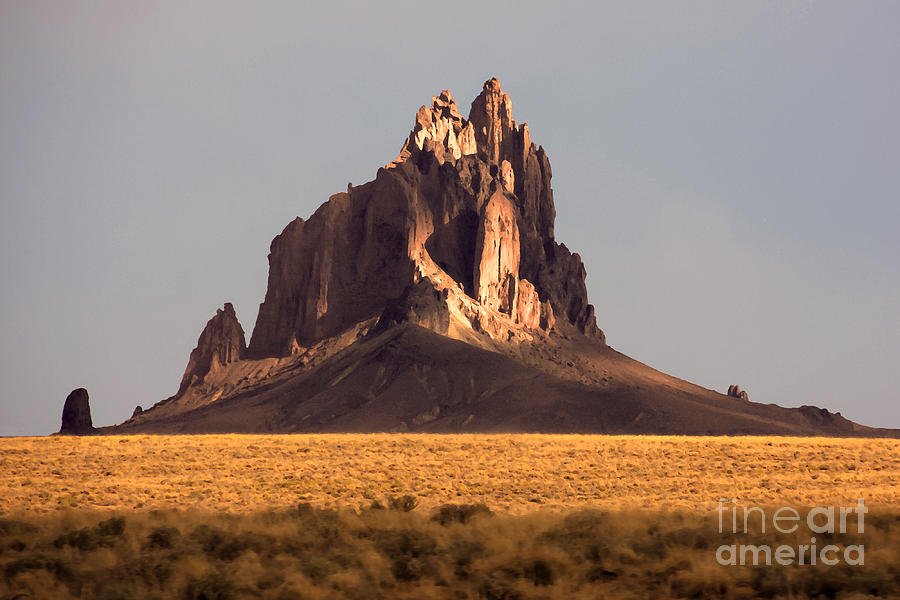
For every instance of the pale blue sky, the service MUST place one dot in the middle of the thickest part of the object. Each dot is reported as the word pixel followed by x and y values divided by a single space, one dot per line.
pixel 729 171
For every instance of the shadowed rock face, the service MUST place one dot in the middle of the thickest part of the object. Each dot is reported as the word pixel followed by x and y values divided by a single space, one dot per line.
pixel 421 304
pixel 458 187
pixel 76 415
pixel 221 342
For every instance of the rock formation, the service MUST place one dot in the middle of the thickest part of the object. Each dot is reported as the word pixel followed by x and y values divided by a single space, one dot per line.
pixel 462 195
pixel 436 298
pixel 221 342
pixel 736 392
pixel 422 304
pixel 824 417
pixel 76 415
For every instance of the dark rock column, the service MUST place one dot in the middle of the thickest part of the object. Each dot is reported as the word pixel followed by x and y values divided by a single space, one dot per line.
pixel 76 415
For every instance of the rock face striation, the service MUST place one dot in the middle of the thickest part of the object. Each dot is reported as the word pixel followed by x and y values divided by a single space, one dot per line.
pixel 436 298
pixel 467 203
pixel 76 415
pixel 221 342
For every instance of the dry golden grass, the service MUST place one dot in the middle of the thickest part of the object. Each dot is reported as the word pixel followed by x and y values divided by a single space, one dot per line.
pixel 512 473
pixel 249 516
pixel 379 554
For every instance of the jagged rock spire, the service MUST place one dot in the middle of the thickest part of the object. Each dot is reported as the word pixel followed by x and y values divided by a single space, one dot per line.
pixel 221 342
pixel 430 213
pixel 492 117
pixel 441 130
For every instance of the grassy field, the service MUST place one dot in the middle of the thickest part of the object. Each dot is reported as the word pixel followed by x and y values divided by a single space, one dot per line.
pixel 386 553
pixel 510 473
pixel 491 517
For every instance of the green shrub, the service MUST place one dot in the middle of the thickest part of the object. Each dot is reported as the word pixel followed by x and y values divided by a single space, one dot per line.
pixel 163 537
pixel 113 527
pixel 212 586
pixel 91 538
pixel 462 553
pixel 459 513
pixel 448 553
pixel 84 539
pixel 410 551
pixel 37 562
pixel 403 503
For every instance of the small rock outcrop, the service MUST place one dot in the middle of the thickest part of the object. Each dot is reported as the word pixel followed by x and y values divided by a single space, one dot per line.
pixel 822 417
pixel 76 415
pixel 221 342
pixel 137 410
pixel 420 304
pixel 736 392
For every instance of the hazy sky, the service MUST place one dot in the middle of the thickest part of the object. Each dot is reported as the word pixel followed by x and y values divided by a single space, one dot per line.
pixel 729 172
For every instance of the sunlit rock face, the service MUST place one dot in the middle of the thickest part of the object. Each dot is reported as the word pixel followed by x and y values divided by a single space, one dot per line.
pixel 497 255
pixel 221 342
pixel 467 203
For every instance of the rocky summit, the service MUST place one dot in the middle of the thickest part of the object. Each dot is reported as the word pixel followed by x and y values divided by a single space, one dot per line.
pixel 467 205
pixel 437 298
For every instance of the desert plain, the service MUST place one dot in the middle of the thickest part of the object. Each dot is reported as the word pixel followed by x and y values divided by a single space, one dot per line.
pixel 383 516
pixel 512 473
